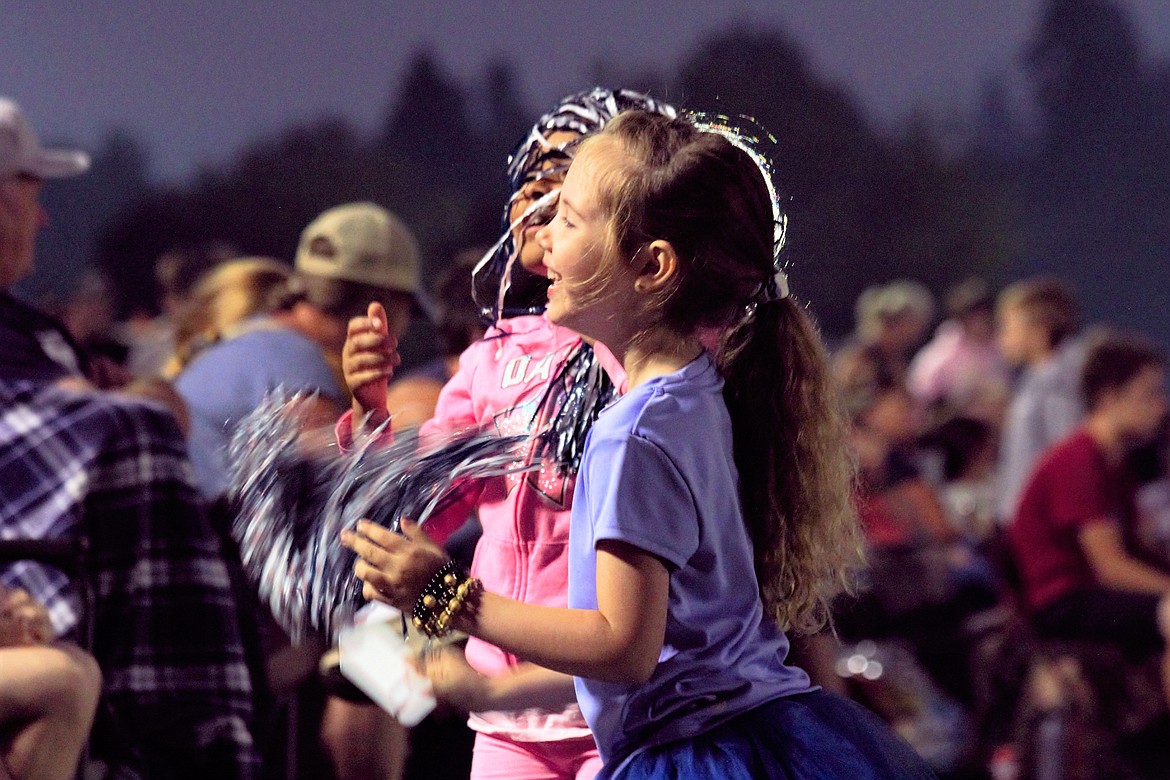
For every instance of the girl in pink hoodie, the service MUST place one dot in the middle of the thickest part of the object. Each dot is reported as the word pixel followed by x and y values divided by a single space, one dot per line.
pixel 525 376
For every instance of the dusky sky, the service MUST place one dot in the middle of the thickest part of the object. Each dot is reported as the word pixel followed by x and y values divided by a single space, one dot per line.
pixel 196 81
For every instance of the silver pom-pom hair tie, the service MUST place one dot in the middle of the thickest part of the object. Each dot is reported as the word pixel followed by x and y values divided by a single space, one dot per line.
pixel 539 211
pixel 502 288
pixel 747 135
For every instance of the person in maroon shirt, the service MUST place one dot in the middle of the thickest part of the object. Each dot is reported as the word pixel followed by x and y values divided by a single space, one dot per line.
pixel 1068 534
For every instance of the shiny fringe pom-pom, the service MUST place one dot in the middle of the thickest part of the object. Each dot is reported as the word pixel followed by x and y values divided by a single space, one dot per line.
pixel 293 492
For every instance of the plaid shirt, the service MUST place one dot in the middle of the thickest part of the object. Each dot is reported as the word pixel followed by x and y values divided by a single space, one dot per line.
pixel 166 631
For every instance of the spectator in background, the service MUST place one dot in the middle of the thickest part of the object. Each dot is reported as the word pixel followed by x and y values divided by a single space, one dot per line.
pixel 887 421
pixel 925 579
pixel 151 341
pixel 78 464
pixel 1151 467
pixel 35 345
pixel 254 325
pixel 227 295
pixel 347 257
pixel 891 322
pixel 88 315
pixel 1037 323
pixel 48 694
pixel 961 370
pixel 1069 533
pixel 969 488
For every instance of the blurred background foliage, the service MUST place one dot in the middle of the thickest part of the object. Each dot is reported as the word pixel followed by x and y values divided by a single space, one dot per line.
pixel 1076 182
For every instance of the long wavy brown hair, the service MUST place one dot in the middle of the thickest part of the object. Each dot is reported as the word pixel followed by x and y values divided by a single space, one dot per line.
pixel 708 199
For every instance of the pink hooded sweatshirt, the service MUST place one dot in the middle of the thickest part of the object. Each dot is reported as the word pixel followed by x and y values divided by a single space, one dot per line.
pixel 523 553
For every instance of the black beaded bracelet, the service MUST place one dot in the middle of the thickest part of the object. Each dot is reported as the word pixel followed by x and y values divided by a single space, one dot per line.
pixel 437 588
pixel 445 596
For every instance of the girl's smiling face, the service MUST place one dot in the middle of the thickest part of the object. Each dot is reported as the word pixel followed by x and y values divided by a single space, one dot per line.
pixel 545 177
pixel 589 293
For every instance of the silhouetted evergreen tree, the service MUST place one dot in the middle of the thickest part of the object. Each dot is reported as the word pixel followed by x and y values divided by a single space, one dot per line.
pixel 431 153
pixel 129 246
pixel 79 210
pixel 863 208
pixel 430 165
pixel 1095 199
pixel 501 120
pixel 258 204
pixel 997 132
pixel 505 116
pixel 1084 66
pixel 428 120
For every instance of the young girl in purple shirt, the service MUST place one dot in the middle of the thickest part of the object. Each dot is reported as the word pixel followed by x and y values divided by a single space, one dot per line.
pixel 713 508
pixel 526 376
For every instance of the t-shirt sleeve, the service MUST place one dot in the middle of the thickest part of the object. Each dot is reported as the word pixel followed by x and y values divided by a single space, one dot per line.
pixel 637 495
pixel 1078 492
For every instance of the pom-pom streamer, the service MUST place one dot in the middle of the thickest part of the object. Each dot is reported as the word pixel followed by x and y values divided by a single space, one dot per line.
pixel 291 500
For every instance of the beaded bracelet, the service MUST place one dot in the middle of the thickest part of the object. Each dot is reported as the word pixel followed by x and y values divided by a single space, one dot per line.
pixel 446 595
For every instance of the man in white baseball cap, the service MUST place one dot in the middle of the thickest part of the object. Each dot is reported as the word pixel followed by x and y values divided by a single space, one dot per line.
pixel 111 470
pixel 23 164
pixel 29 341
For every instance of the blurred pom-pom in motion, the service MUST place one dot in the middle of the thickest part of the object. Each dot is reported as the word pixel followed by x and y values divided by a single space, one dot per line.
pixel 293 492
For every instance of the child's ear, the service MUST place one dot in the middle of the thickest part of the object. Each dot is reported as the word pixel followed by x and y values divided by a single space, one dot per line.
pixel 658 266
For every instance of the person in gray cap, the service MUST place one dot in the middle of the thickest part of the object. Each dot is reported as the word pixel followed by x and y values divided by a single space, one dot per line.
pixel 347 257
pixel 84 466
pixel 352 255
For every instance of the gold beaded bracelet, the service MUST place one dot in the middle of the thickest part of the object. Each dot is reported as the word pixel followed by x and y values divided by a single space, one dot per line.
pixel 448 593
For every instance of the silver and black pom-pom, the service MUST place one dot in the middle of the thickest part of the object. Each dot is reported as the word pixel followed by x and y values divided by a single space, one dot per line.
pixel 291 500
pixel 575 397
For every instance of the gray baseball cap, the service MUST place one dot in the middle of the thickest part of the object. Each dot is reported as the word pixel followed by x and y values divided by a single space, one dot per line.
pixel 362 243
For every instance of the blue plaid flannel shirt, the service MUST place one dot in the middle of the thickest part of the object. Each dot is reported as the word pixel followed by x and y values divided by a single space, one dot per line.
pixel 166 629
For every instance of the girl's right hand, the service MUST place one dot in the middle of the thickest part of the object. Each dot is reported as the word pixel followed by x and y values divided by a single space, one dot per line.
pixel 395 568
pixel 368 360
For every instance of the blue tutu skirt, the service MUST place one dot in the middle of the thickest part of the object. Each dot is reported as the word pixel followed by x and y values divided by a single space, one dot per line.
pixel 807 736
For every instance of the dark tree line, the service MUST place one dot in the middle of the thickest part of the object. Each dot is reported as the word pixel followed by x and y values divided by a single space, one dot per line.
pixel 1084 195
pixel 1095 192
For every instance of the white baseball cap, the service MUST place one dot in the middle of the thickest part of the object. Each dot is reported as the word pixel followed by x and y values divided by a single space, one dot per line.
pixel 21 151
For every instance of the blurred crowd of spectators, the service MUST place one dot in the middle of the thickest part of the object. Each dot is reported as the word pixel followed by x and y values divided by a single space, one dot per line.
pixel 1011 479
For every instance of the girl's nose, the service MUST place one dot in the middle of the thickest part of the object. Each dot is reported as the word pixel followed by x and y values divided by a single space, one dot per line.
pixel 544 238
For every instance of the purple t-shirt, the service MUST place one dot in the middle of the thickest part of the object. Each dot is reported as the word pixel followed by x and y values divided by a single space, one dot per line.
pixel 658 473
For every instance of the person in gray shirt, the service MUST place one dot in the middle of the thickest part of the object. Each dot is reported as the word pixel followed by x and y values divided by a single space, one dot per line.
pixel 1037 324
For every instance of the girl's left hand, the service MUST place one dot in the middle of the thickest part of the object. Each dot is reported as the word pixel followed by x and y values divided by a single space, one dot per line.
pixel 455 682
pixel 394 568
